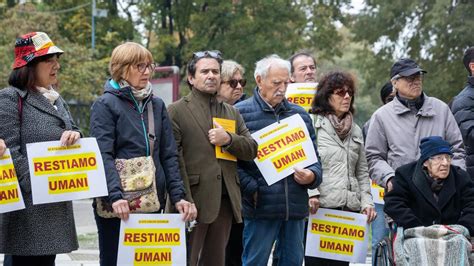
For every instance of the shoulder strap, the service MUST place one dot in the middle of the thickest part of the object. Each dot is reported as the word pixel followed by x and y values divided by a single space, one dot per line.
pixel 151 126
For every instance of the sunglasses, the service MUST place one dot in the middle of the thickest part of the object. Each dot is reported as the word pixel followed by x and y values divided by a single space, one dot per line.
pixel 342 92
pixel 233 83
pixel 214 54
pixel 143 66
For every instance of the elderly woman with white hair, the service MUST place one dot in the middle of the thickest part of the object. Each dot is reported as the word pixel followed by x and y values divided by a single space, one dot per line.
pixel 233 82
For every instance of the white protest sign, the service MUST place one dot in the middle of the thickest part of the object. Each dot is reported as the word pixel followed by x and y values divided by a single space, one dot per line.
pixel 11 198
pixel 301 94
pixel 378 193
pixel 62 173
pixel 337 235
pixel 283 146
pixel 152 239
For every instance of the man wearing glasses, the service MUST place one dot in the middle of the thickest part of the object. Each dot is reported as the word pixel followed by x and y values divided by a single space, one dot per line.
pixel 397 127
pixel 211 184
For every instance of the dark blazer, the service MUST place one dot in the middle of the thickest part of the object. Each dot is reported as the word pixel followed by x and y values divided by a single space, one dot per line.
pixel 411 202
pixel 43 229
pixel 285 199
pixel 204 176
pixel 116 122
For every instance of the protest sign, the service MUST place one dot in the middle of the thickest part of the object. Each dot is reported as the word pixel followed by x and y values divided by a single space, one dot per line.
pixel 378 193
pixel 152 239
pixel 282 146
pixel 301 94
pixel 11 198
pixel 337 235
pixel 62 173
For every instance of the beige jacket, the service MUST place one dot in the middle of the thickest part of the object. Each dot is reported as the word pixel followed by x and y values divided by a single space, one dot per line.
pixel 345 174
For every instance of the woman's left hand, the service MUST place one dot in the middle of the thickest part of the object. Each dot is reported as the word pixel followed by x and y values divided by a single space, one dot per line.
pixel 188 210
pixel 371 214
pixel 69 137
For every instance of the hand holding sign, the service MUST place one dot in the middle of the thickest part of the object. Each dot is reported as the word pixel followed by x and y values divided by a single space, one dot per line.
pixel 218 136
pixel 69 137
pixel 121 208
pixel 371 214
pixel 188 210
pixel 303 176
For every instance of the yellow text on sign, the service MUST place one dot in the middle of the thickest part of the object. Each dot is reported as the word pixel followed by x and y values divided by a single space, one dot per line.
pixel 289 158
pixel 152 256
pixel 342 230
pixel 7 174
pixel 9 194
pixel 280 143
pixel 152 237
pixel 64 164
pixel 336 246
pixel 68 183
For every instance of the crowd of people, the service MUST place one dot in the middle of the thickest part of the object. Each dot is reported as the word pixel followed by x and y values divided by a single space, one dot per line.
pixel 413 146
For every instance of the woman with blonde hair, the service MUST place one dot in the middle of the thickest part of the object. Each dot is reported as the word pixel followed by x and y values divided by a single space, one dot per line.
pixel 120 120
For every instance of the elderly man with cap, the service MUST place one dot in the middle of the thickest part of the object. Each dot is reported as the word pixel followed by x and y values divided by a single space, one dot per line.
pixel 431 190
pixel 397 127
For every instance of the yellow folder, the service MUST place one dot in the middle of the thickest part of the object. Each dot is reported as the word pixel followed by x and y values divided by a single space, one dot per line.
pixel 229 126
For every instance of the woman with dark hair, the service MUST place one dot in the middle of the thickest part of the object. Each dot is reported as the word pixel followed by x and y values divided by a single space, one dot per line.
pixel 346 184
pixel 32 111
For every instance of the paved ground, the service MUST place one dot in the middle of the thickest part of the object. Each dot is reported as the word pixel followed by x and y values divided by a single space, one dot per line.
pixel 88 254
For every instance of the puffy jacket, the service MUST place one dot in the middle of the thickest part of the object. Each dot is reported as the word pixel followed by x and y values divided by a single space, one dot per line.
pixel 285 199
pixel 121 130
pixel 463 111
pixel 346 177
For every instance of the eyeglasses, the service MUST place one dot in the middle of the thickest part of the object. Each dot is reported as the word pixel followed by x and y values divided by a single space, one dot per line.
pixel 342 92
pixel 440 158
pixel 214 54
pixel 412 78
pixel 233 83
pixel 143 66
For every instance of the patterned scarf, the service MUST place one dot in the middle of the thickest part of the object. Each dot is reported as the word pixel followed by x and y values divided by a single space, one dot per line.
pixel 139 95
pixel 50 94
pixel 341 126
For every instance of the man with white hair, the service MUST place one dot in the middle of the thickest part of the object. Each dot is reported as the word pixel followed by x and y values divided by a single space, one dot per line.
pixel 276 211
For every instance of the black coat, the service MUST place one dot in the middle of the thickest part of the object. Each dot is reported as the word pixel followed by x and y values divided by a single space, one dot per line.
pixel 116 122
pixel 411 202
pixel 462 108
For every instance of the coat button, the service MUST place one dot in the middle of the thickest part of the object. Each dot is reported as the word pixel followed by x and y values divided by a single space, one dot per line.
pixel 218 177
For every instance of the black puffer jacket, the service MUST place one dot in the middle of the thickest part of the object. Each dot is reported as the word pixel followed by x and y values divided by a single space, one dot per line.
pixel 121 129
pixel 463 110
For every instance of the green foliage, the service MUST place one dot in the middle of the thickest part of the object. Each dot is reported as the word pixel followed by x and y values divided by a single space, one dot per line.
pixel 434 33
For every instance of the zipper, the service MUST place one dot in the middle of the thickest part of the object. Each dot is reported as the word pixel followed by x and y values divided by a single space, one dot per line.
pixel 140 111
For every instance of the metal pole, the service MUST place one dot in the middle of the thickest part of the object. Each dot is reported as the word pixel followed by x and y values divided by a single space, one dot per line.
pixel 93 27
